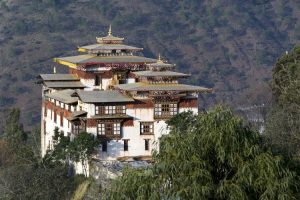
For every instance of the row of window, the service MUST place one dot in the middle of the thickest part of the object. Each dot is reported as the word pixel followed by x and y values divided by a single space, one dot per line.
pixel 110 110
pixel 125 145
pixel 54 114
pixel 146 128
pixel 160 110
pixel 63 105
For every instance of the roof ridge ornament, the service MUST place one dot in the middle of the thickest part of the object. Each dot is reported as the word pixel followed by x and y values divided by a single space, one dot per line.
pixel 109 31
pixel 159 60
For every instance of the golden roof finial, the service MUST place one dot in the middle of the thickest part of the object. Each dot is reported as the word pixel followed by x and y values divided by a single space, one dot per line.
pixel 109 30
pixel 159 60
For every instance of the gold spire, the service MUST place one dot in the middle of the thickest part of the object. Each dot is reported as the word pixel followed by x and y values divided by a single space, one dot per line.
pixel 109 30
pixel 159 60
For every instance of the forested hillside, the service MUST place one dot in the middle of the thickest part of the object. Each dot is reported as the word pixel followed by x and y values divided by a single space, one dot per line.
pixel 227 45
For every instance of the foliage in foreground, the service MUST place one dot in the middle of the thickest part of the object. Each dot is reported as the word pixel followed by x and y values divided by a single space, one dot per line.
pixel 209 156
pixel 23 175
pixel 80 149
pixel 283 121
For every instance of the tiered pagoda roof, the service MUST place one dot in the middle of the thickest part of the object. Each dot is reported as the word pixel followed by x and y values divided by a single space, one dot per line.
pixel 158 75
pixel 109 49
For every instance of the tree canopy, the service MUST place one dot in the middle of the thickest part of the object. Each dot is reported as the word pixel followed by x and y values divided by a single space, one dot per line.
pixel 286 78
pixel 216 156
pixel 23 175
pixel 283 120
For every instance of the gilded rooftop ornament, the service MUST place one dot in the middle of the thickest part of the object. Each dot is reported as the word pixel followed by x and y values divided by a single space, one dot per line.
pixel 109 31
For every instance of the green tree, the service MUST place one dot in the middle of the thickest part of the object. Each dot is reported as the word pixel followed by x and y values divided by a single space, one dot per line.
pixel 14 131
pixel 23 175
pixel 80 149
pixel 215 157
pixel 286 79
pixel 283 120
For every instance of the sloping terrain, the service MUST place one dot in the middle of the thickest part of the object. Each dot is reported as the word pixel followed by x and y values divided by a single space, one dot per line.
pixel 228 45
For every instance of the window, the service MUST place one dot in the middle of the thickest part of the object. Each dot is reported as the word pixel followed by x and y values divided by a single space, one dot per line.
pixel 146 128
pixel 109 129
pixel 76 128
pixel 147 144
pixel 55 116
pixel 120 110
pixel 165 109
pixel 117 129
pixel 45 125
pixel 61 119
pixel 100 110
pixel 110 110
pixel 45 111
pixel 104 146
pixel 126 145
pixel 157 110
pixel 101 129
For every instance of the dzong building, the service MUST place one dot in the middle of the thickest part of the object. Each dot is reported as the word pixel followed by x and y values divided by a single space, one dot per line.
pixel 120 97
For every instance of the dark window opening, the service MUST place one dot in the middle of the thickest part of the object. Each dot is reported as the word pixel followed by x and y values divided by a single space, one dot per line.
pixel 98 80
pixel 54 116
pixel 147 146
pixel 61 119
pixel 104 146
pixel 125 145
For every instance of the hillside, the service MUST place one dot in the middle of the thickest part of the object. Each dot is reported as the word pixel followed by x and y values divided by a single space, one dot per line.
pixel 224 44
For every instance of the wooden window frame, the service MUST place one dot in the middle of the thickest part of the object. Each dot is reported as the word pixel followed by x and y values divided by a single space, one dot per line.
pixel 76 128
pixel 120 109
pixel 101 129
pixel 165 109
pixel 108 129
pixel 146 128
